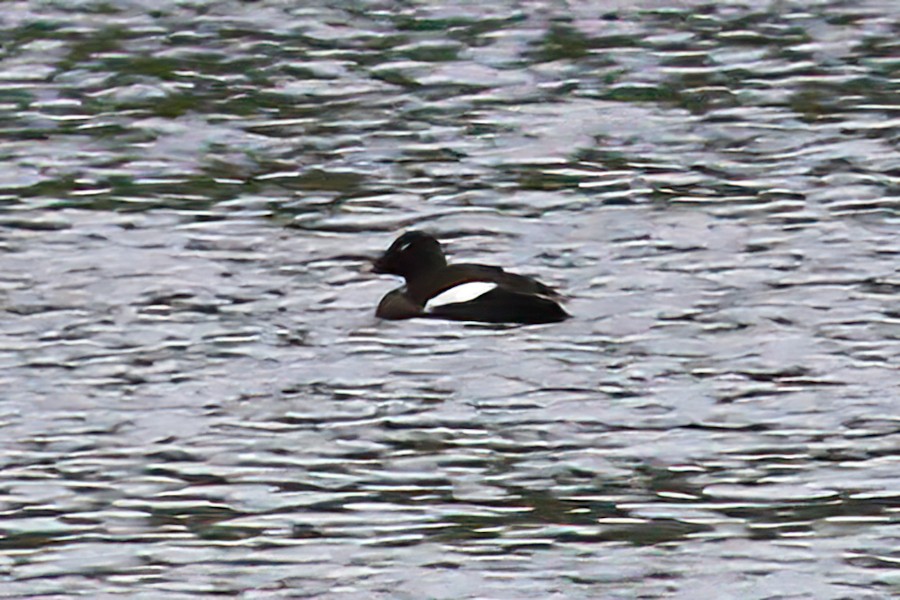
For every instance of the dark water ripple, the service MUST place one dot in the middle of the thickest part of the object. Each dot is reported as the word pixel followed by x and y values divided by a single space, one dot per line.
pixel 198 400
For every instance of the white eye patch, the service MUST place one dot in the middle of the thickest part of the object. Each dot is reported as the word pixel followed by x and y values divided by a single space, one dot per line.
pixel 463 292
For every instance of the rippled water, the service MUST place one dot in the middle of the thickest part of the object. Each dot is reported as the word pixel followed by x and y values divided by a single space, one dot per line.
pixel 197 399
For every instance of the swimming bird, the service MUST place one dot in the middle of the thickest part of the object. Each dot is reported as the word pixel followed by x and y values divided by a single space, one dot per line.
pixel 462 292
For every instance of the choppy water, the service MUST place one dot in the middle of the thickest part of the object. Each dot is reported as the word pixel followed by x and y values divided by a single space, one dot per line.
pixel 197 399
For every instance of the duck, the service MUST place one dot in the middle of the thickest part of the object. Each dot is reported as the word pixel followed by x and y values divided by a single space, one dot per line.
pixel 459 292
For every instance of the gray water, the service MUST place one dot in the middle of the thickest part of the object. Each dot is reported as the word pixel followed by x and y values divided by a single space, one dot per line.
pixel 198 401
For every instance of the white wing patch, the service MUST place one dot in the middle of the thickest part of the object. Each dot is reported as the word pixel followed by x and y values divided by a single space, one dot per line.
pixel 463 292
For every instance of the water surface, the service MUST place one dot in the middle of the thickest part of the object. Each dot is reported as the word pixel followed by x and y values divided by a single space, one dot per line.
pixel 199 401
